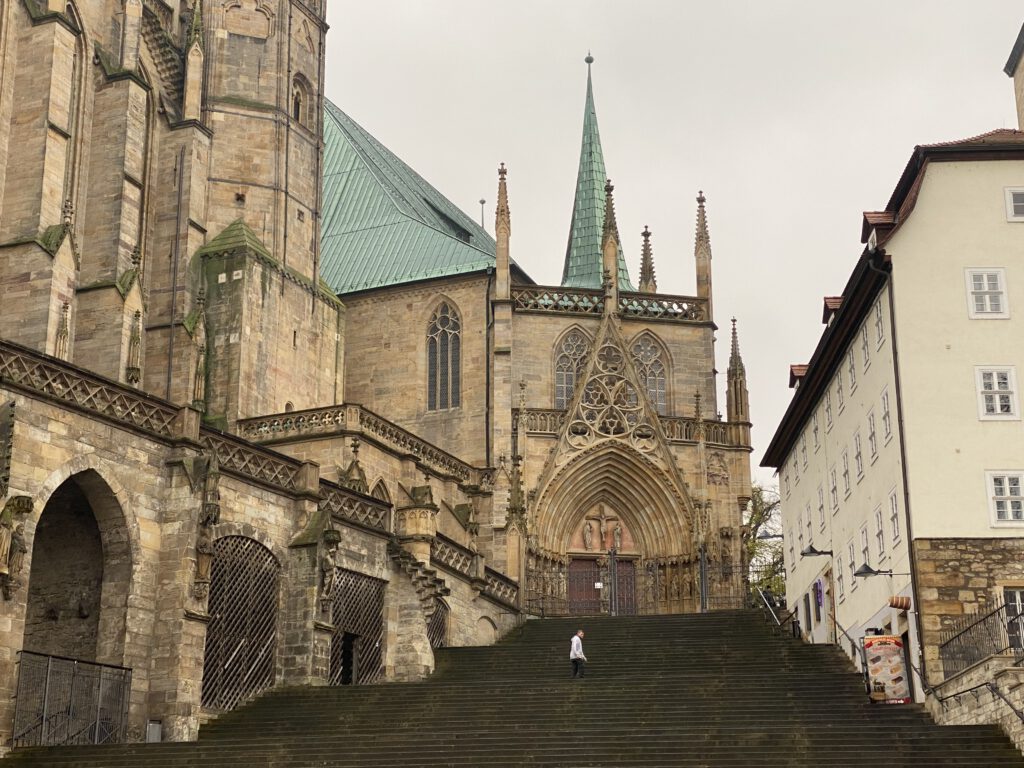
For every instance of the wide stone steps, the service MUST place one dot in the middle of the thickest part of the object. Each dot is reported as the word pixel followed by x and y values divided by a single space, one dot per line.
pixel 712 691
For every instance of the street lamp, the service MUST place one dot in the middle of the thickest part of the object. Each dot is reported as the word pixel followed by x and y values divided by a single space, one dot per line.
pixel 866 570
pixel 811 551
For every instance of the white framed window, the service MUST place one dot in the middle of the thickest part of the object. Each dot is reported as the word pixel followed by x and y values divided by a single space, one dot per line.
pixel 796 469
pixel 800 532
pixel 840 395
pixel 851 367
pixel 821 507
pixel 879 532
pixel 986 293
pixel 785 481
pixel 840 586
pixel 865 551
pixel 846 471
pixel 894 516
pixel 879 325
pixel 858 457
pixel 814 430
pixel 997 393
pixel 803 449
pixel 792 556
pixel 851 564
pixel 833 493
pixel 865 348
pixel 828 410
pixel 886 416
pixel 807 523
pixel 872 437
pixel 1005 498
pixel 1015 203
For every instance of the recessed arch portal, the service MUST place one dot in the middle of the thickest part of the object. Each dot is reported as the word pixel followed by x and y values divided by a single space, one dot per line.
pixel 617 475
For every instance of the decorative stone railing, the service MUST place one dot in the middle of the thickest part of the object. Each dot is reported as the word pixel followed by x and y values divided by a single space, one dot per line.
pixel 680 429
pixel 590 301
pixel 356 420
pixel 27 369
pixel 252 461
pixel 348 506
pixel 452 555
pixel 500 587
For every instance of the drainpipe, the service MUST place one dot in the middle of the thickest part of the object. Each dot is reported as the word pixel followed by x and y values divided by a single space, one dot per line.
pixel 914 591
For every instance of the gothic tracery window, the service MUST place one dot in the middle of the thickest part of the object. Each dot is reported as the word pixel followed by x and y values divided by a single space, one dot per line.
pixel 444 359
pixel 650 367
pixel 570 358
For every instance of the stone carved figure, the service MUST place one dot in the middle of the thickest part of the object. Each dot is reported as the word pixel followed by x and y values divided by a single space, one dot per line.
pixel 687 582
pixel 675 585
pixel 617 536
pixel 588 535
pixel 210 514
pixel 16 558
pixel 328 572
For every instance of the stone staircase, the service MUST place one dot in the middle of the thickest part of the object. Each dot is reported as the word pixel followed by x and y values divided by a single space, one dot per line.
pixel 718 690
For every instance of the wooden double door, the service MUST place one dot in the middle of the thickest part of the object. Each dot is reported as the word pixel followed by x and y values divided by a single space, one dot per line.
pixel 584 597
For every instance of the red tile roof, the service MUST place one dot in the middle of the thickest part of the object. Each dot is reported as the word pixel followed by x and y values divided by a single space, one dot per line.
pixel 831 306
pixel 796 372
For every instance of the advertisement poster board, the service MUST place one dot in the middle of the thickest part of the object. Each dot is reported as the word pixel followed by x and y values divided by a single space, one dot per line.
pixel 887 669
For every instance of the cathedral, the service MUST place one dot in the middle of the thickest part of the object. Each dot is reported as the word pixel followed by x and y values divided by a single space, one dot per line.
pixel 273 411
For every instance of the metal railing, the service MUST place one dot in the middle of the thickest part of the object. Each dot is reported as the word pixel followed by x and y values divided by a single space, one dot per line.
pixel 68 701
pixel 996 631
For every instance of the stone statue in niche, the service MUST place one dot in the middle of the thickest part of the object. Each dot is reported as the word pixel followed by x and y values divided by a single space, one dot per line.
pixel 617 536
pixel 588 535
pixel 675 585
pixel 16 505
pixel 602 523
pixel 687 582
pixel 18 550
pixel 204 565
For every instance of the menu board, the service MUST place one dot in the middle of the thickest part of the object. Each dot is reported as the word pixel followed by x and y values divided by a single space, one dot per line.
pixel 887 669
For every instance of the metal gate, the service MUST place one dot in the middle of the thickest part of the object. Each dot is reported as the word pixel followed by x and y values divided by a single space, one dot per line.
pixel 625 588
pixel 241 639
pixel 437 627
pixel 358 615
pixel 584 597
pixel 67 701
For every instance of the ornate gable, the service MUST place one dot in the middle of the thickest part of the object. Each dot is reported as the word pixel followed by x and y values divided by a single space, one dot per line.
pixel 610 404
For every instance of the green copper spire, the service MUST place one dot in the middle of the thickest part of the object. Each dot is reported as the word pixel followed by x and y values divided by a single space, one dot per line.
pixel 583 254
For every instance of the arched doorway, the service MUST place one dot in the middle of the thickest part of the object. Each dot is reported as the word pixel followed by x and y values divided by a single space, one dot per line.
pixel 80 574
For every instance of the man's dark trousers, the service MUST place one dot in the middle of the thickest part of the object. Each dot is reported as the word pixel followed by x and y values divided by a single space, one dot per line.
pixel 577 667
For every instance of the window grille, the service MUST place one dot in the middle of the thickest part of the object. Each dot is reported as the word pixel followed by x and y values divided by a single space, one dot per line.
pixel 444 354
pixel 651 368
pixel 357 610
pixel 570 360
pixel 241 639
pixel 437 626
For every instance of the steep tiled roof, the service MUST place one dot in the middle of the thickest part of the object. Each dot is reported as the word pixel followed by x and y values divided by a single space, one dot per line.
pixel 1000 136
pixel 583 259
pixel 1015 54
pixel 383 224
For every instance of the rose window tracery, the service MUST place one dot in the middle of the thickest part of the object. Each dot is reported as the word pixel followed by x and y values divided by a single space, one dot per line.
pixel 569 364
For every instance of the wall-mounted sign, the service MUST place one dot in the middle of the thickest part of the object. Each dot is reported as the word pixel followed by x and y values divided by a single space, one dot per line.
pixel 887 669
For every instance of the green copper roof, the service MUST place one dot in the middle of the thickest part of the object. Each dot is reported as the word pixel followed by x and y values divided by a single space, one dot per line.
pixel 583 260
pixel 382 223
pixel 236 236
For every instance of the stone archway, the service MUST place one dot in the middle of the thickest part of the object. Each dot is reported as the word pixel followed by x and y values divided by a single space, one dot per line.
pixel 80 574
pixel 610 496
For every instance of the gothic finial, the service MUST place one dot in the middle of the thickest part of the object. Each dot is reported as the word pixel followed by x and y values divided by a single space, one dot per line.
pixel 696 406
pixel 503 216
pixel 67 214
pixel 611 227
pixel 355 447
pixel 136 256
pixel 195 30
pixel 648 284
pixel 736 367
pixel 703 239
pixel 201 298
pixel 522 395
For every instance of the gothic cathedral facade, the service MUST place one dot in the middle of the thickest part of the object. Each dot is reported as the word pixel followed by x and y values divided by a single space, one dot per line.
pixel 248 440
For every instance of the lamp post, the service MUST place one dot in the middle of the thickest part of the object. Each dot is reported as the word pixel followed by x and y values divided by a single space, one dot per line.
pixel 866 571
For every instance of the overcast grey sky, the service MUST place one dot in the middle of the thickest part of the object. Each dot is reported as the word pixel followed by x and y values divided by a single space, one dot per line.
pixel 793 117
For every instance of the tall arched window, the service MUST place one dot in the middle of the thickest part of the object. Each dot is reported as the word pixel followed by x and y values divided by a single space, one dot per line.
pixel 444 359
pixel 302 111
pixel 570 357
pixel 650 366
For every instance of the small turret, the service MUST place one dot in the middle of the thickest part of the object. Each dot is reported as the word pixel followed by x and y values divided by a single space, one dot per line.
pixel 502 233
pixel 702 254
pixel 737 402
pixel 647 282
pixel 610 250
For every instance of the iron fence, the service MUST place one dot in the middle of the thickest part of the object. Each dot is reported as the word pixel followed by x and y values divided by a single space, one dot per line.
pixel 66 701
pixel 974 638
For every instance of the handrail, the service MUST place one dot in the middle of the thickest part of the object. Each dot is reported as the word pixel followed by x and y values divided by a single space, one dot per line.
pixel 991 686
